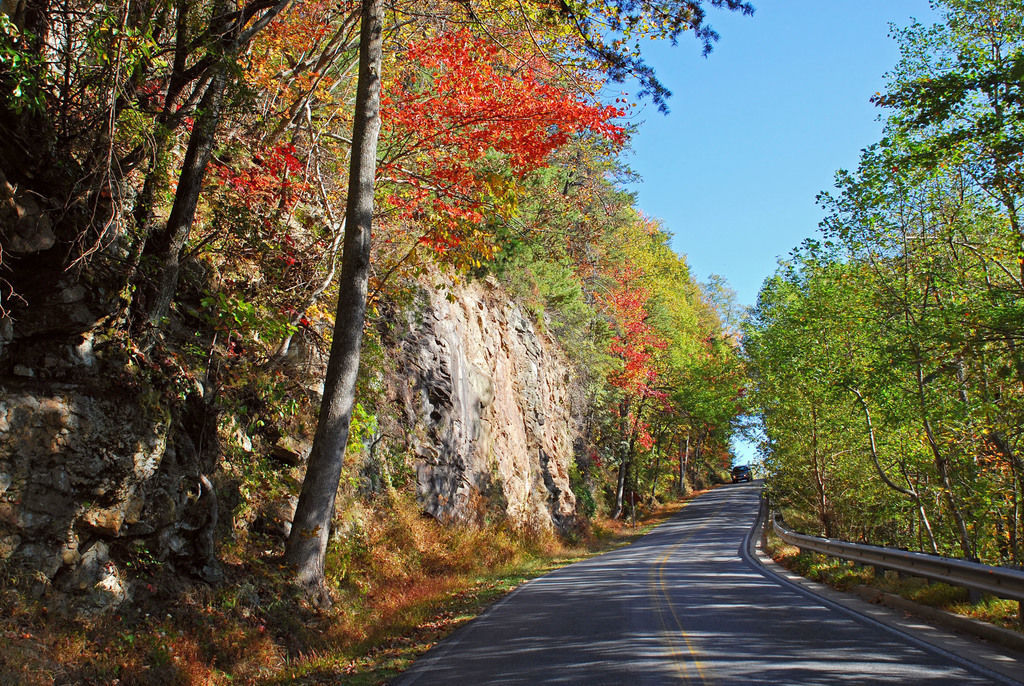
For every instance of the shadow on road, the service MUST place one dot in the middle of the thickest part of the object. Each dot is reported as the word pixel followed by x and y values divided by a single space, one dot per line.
pixel 680 605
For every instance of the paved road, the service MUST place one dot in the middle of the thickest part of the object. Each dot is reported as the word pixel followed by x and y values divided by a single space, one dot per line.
pixel 681 605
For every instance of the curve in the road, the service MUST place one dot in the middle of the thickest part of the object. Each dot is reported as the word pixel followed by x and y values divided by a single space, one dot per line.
pixel 748 553
pixel 684 604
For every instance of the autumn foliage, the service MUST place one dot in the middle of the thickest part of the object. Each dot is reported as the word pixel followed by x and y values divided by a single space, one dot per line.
pixel 177 178
pixel 464 122
pixel 636 343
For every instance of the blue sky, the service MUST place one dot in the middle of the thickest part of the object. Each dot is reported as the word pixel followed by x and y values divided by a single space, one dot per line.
pixel 760 127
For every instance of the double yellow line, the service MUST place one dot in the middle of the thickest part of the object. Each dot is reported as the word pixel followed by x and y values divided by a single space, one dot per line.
pixel 660 592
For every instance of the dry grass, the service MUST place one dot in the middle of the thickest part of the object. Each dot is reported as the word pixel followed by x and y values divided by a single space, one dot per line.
pixel 401 582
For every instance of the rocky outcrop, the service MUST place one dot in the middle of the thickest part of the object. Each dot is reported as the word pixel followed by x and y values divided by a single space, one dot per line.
pixel 87 470
pixel 486 406
pixel 98 475
pixel 24 225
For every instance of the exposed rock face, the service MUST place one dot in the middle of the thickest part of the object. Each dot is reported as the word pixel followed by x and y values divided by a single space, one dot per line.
pixel 487 396
pixel 24 225
pixel 93 473
pixel 83 470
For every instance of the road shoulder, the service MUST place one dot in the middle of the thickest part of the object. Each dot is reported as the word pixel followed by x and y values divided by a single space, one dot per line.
pixel 1003 663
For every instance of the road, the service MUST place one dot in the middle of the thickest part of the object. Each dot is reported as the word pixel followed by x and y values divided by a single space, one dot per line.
pixel 684 604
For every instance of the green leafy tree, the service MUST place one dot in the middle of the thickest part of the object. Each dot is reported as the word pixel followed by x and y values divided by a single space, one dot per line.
pixel 922 268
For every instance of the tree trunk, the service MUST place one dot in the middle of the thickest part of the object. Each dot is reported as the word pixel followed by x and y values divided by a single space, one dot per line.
pixel 684 458
pixel 910 491
pixel 167 245
pixel 307 544
pixel 32 17
pixel 620 487
pixel 657 470
pixel 1014 522
pixel 941 463
pixel 819 478
pixel 698 455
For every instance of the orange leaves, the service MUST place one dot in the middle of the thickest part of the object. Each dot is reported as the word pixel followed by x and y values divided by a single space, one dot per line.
pixel 637 343
pixel 462 124
pixel 272 180
pixel 282 61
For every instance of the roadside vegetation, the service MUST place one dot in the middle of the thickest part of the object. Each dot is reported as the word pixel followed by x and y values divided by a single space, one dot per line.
pixel 181 178
pixel 887 355
pixel 845 576
pixel 500 155
pixel 402 585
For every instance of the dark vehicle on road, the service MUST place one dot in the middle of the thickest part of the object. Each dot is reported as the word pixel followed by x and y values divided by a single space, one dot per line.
pixel 740 473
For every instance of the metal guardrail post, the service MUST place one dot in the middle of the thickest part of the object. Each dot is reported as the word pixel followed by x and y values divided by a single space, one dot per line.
pixel 763 515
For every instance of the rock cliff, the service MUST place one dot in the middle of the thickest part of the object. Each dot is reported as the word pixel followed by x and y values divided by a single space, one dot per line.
pixel 485 399
pixel 94 472
pixel 87 468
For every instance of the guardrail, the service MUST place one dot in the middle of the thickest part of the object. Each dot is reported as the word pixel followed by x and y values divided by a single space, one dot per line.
pixel 999 581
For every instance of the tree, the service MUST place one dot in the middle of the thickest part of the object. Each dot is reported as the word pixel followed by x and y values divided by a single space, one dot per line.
pixel 230 36
pixel 307 542
pixel 635 346
pixel 926 388
pixel 465 128
pixel 964 103
pixel 99 95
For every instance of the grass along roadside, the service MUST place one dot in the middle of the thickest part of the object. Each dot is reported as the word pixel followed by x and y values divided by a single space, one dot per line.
pixel 401 582
pixel 844 576
pixel 394 651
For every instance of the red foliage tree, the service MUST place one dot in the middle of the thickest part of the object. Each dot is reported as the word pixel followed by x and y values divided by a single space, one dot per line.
pixel 463 122
pixel 636 343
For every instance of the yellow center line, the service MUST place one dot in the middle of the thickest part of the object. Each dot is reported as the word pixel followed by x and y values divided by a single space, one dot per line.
pixel 661 594
pixel 677 660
